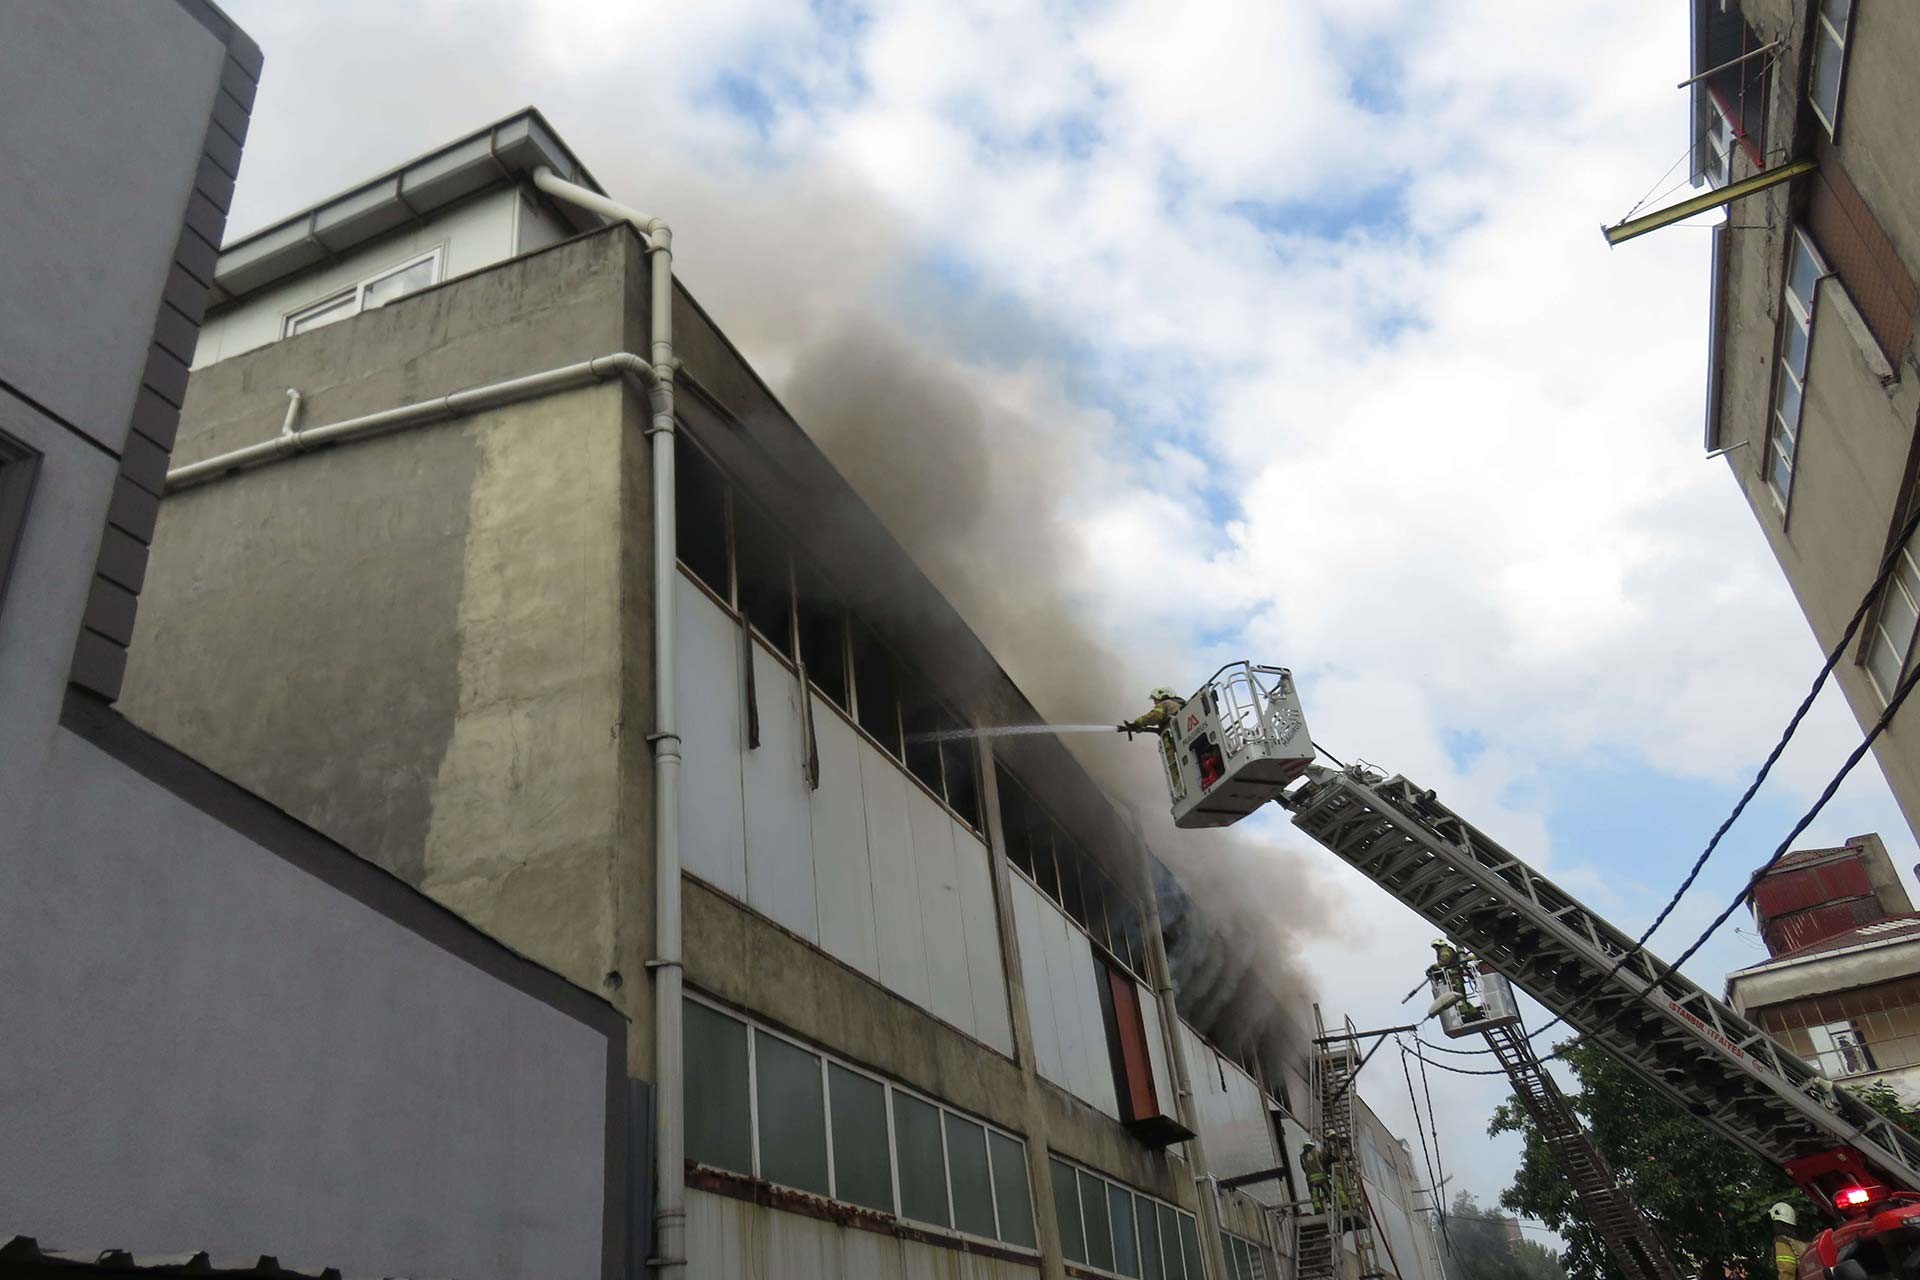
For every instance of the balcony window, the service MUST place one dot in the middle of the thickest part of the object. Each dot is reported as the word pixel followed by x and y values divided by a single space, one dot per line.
pixel 1891 641
pixel 1830 59
pixel 1804 271
pixel 1841 1050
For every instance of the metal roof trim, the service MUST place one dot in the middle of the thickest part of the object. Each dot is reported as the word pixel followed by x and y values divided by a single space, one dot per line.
pixel 504 151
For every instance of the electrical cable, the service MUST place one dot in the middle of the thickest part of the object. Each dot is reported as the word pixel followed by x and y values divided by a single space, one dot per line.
pixel 1433 1180
pixel 1867 600
pixel 1439 1159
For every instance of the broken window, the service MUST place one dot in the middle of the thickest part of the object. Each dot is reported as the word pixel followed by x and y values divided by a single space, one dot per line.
pixel 700 516
pixel 875 691
pixel 766 590
pixel 1072 897
pixel 923 720
pixel 1045 873
pixel 958 763
pixel 823 633
pixel 1013 822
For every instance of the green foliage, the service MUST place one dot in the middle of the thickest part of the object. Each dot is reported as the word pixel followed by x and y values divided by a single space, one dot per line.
pixel 1708 1199
pixel 1476 1247
pixel 1880 1096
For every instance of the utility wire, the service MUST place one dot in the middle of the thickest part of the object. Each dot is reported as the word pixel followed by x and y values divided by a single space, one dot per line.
pixel 1439 1159
pixel 1433 1180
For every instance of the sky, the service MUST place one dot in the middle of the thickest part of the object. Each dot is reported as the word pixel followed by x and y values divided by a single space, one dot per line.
pixel 1281 330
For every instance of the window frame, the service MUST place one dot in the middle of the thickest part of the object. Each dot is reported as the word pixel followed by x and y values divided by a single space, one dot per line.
pixel 1877 631
pixel 1030 805
pixel 756 1028
pixel 1820 32
pixel 1777 426
pixel 19 471
pixel 1081 1175
pixel 358 292
pixel 1840 1051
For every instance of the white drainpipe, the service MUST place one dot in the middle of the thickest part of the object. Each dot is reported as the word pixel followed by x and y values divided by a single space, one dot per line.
pixel 670 1215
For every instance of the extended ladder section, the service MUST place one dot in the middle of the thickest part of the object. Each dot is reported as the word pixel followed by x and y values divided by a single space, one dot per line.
pixel 1718 1066
pixel 1345 1207
pixel 1627 1234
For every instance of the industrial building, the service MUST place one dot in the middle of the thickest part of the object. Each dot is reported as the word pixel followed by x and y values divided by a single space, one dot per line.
pixel 1813 389
pixel 231 1046
pixel 1841 985
pixel 583 636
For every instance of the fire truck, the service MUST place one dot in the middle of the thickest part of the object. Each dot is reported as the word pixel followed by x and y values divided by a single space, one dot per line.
pixel 1241 741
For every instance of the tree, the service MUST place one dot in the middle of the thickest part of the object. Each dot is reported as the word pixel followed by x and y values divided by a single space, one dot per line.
pixel 1707 1198
pixel 1475 1246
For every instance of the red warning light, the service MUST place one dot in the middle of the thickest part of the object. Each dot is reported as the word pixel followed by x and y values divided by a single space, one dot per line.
pixel 1851 1198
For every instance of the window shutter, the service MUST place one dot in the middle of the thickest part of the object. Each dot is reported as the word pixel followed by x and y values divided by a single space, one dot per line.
pixel 1859 252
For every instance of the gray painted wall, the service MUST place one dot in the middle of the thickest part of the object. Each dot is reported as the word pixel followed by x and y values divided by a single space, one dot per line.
pixel 110 173
pixel 209 1048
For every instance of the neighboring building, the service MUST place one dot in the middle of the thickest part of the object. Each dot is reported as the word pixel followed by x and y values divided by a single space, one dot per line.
pixel 1842 988
pixel 927 1025
pixel 223 1033
pixel 1814 384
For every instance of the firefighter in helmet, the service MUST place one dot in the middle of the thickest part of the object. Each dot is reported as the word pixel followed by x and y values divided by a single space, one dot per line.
pixel 1787 1244
pixel 1316 1167
pixel 1159 719
pixel 1449 968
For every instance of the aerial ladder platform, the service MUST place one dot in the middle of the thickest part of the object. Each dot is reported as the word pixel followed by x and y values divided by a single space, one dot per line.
pixel 1476 1002
pixel 1241 741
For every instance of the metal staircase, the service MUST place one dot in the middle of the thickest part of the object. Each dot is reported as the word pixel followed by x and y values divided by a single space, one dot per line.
pixel 1618 1221
pixel 1709 1060
pixel 1346 1212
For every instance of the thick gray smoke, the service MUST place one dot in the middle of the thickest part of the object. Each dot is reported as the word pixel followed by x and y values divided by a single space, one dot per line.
pixel 979 475
pixel 976 489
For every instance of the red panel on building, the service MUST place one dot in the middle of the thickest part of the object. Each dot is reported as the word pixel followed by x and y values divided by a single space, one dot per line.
pixel 1804 928
pixel 1776 895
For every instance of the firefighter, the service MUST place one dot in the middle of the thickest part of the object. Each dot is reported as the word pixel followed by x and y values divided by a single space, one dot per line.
pixel 1787 1244
pixel 1159 719
pixel 1316 1168
pixel 1451 969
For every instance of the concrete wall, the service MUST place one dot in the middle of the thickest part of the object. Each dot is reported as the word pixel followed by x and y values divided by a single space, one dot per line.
pixel 477 234
pixel 211 1047
pixel 728 1238
pixel 419 643
pixel 1857 436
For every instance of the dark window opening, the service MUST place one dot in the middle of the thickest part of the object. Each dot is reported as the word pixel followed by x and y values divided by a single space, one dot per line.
pixel 1095 887
pixel 1013 822
pixel 922 739
pixel 1045 874
pixel 766 595
pixel 700 516
pixel 1071 868
pixel 823 633
pixel 874 688
pixel 963 779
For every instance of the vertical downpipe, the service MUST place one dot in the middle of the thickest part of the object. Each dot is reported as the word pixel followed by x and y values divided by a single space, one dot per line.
pixel 670 1215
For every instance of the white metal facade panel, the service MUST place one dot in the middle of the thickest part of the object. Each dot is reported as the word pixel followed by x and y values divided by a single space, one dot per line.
pixel 941 928
pixel 1233 1116
pixel 1157 1051
pixel 1093 1025
pixel 730 1239
pixel 707 683
pixel 931 1262
pixel 842 875
pixel 896 895
pixel 985 972
pixel 1029 930
pixel 1066 1009
pixel 779 826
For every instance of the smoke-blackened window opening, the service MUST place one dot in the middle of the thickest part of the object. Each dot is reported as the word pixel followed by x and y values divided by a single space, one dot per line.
pixel 1072 896
pixel 1046 872
pixel 960 766
pixel 1013 822
pixel 823 632
pixel 921 717
pixel 875 691
pixel 700 516
pixel 766 582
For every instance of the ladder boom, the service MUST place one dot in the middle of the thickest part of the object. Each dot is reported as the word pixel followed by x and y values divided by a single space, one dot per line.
pixel 1715 1064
